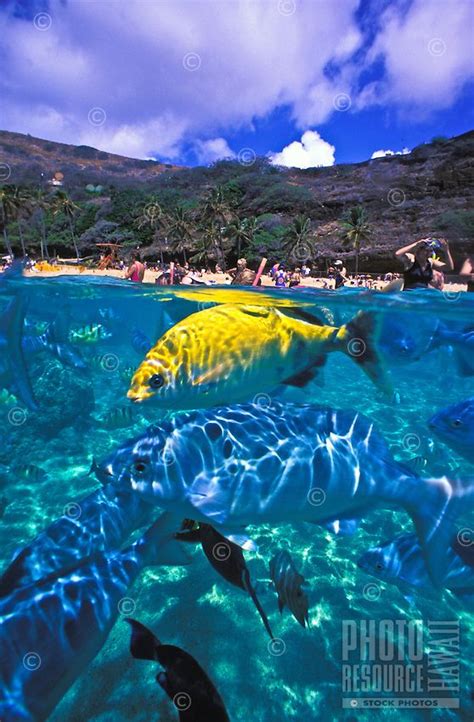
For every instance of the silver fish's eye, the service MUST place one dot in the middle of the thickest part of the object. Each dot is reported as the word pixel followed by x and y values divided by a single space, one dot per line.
pixel 379 566
pixel 456 423
pixel 139 466
pixel 156 381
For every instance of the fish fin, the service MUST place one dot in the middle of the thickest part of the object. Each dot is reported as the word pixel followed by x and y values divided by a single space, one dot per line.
pixel 304 377
pixel 143 643
pixel 210 500
pixel 253 595
pixel 434 511
pixel 359 339
pixel 302 315
pixel 342 527
pixel 11 326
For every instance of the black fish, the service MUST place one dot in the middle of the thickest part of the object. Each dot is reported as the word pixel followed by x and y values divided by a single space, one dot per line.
pixel 184 681
pixel 288 585
pixel 227 559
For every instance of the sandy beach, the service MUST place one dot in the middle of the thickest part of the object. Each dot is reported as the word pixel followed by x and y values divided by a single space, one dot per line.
pixel 218 278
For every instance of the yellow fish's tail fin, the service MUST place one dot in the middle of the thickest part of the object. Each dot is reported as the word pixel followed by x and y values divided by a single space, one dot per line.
pixel 359 340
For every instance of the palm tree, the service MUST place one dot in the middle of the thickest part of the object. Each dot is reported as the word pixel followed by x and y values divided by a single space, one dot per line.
pixel 24 207
pixel 152 217
pixel 180 229
pixel 41 201
pixel 63 204
pixel 217 212
pixel 204 246
pixel 10 209
pixel 296 239
pixel 356 230
pixel 241 231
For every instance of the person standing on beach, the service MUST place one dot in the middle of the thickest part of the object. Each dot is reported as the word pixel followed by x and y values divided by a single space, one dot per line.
pixel 340 276
pixel 419 264
pixel 136 269
pixel 467 272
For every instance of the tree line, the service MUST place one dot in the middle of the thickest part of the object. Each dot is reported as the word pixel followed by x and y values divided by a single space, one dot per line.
pixel 211 229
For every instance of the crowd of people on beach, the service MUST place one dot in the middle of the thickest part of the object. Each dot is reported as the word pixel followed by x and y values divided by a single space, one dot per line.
pixel 424 264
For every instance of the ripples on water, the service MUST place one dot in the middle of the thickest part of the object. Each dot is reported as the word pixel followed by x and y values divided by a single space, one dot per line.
pixel 191 606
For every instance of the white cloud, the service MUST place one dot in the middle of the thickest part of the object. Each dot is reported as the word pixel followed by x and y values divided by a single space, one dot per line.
pixel 383 153
pixel 312 151
pixel 427 53
pixel 208 151
pixel 169 73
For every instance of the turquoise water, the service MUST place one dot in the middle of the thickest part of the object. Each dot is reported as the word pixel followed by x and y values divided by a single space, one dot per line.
pixel 192 606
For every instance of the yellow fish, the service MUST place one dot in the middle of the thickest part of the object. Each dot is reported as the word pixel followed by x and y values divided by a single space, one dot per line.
pixel 229 354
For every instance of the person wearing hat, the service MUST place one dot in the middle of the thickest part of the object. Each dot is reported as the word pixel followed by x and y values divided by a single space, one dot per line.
pixel 340 276
pixel 419 263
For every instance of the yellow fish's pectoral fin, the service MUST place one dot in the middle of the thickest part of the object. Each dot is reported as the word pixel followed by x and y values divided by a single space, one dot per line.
pixel 209 376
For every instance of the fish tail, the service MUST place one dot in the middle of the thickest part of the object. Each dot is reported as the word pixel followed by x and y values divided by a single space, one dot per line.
pixel 256 601
pixel 434 505
pixel 143 643
pixel 359 339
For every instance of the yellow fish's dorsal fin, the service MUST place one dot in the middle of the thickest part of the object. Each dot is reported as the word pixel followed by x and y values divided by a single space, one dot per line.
pixel 301 315
pixel 255 310
pixel 237 296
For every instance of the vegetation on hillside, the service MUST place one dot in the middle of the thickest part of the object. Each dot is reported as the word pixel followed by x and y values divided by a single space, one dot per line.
pixel 215 214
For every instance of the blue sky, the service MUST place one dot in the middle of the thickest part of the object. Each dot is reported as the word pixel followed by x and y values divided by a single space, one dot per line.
pixel 307 82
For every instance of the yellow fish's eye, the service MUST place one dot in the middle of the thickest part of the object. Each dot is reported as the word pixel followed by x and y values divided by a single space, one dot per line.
pixel 156 381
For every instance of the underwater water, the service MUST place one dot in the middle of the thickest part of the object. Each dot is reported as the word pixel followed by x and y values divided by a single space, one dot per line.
pixel 83 415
